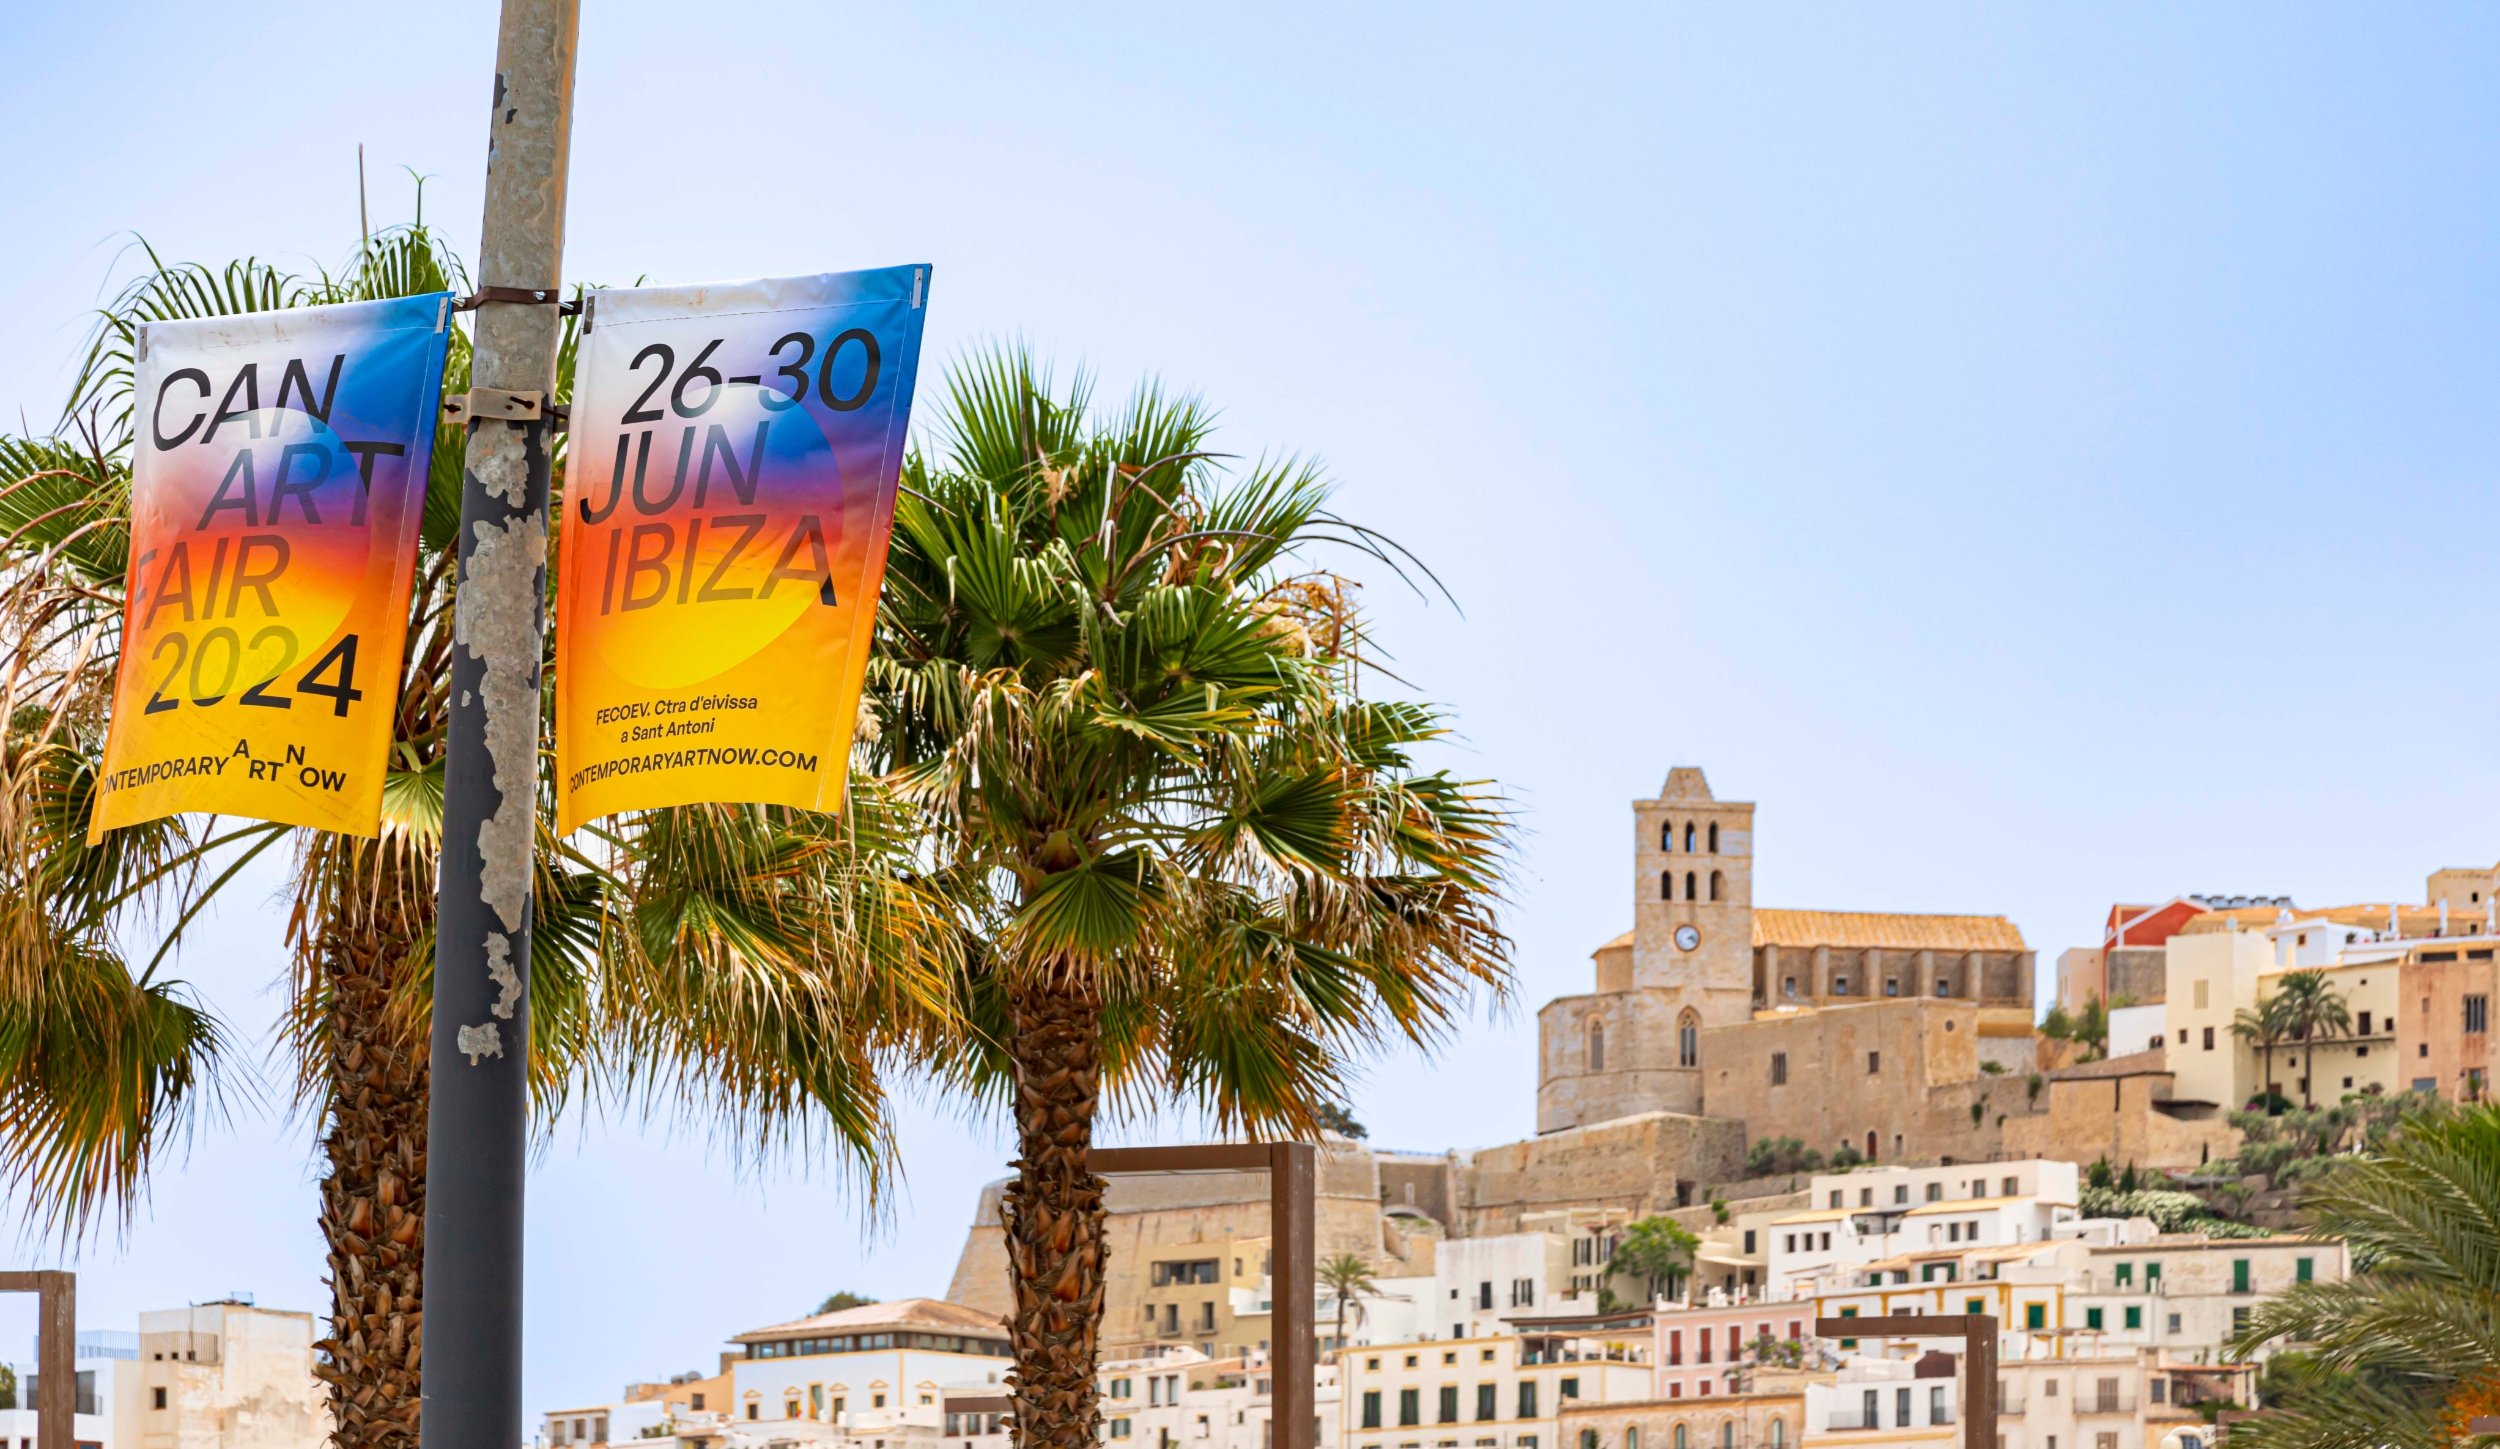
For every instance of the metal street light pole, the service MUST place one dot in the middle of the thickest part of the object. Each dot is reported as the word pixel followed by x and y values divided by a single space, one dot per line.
pixel 477 1121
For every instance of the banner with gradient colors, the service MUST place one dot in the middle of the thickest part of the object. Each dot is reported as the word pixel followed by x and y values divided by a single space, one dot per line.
pixel 277 484
pixel 729 492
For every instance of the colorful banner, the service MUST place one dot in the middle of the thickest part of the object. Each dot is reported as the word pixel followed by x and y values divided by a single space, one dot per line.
pixel 729 491
pixel 277 483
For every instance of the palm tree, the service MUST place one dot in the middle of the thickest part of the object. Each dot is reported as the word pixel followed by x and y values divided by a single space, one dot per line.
pixel 753 962
pixel 2311 1009
pixel 2411 1341
pixel 2264 1028
pixel 1193 862
pixel 1347 1277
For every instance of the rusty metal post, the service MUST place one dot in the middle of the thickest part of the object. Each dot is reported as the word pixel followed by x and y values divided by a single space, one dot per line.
pixel 1292 1190
pixel 1292 1186
pixel 56 1352
pixel 477 1121
pixel 1978 1332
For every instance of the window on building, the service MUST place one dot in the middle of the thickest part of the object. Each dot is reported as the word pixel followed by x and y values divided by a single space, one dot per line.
pixel 1449 1404
pixel 2135 1316
pixel 2173 1323
pixel 1727 1434
pixel 1901 1407
pixel 1410 1407
pixel 1714 837
pixel 1691 885
pixel 2013 1187
pixel 2304 1269
pixel 2036 1317
pixel 2125 1275
pixel 2239 1275
pixel 1779 1434
pixel 1901 1192
pixel 2363 1025
pixel 2239 1319
pixel 1567 1389
pixel 1944 986
pixel 1688 837
pixel 1688 1040
pixel 2152 1274
pixel 2209 1034
pixel 1892 986
pixel 1484 1295
pixel 1718 882
pixel 1527 1398
pixel 1840 986
pixel 2477 1012
pixel 755 1411
pixel 160 1403
pixel 1935 1192
pixel 2092 1319
pixel 1631 1436
pixel 1487 1397
pixel 1371 1408
pixel 1666 836
pixel 1597 1046
pixel 1666 885
pixel 1874 1063
pixel 1788 986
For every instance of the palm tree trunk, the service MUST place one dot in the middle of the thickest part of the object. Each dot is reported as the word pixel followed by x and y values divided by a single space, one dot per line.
pixel 373 1197
pixel 1054 1216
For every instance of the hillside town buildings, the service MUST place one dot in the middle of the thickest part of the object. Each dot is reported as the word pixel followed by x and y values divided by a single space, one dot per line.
pixel 1899 1050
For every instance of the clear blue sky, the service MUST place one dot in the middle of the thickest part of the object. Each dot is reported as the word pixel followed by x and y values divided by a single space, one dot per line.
pixel 2042 454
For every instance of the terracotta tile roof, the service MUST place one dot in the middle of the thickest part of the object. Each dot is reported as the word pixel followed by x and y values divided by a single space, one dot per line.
pixel 1886 931
pixel 934 1315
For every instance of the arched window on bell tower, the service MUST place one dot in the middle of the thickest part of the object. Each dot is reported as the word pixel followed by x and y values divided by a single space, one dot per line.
pixel 1666 836
pixel 1714 837
pixel 1690 879
pixel 1688 1039
pixel 1718 882
pixel 1688 837
pixel 1666 885
pixel 1597 1045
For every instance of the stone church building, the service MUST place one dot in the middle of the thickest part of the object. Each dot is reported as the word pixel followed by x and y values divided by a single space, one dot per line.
pixel 1902 1036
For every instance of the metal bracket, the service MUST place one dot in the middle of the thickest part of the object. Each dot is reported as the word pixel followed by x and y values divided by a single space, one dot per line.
pixel 494 402
pixel 518 296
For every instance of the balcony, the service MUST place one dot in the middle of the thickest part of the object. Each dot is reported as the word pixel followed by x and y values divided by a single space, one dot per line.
pixel 2105 1403
pixel 1859 1418
pixel 2009 1404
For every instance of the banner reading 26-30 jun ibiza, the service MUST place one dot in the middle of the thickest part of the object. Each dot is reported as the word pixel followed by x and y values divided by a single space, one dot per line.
pixel 277 484
pixel 729 493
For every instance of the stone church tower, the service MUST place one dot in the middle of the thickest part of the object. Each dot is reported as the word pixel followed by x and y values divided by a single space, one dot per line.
pixel 1634 1045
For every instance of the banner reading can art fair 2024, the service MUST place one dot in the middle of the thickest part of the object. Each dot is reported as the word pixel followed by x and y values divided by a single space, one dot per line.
pixel 277 484
pixel 729 494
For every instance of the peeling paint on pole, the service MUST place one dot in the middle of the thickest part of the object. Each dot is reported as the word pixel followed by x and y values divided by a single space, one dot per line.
pixel 498 624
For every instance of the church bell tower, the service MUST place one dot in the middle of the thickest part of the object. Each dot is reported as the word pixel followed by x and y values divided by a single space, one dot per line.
pixel 1692 885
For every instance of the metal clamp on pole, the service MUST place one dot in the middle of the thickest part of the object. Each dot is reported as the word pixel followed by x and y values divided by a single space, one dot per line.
pixel 495 402
pixel 519 297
